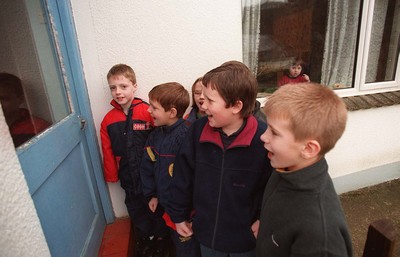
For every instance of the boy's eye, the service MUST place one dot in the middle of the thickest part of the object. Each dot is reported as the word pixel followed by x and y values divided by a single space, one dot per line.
pixel 113 87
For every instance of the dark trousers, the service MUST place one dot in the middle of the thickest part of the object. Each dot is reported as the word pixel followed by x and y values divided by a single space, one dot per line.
pixel 185 246
pixel 145 221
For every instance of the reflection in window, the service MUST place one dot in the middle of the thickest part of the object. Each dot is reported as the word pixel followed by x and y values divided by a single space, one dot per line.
pixel 22 124
pixel 325 35
pixel 32 91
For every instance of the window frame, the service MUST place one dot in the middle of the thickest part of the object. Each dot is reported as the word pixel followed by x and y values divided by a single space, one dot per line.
pixel 360 87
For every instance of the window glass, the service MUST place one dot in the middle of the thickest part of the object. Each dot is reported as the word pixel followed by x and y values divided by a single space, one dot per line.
pixel 32 91
pixel 384 43
pixel 328 38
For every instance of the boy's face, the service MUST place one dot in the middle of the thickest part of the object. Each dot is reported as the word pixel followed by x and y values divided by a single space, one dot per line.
pixel 218 115
pixel 122 90
pixel 295 70
pixel 284 151
pixel 159 115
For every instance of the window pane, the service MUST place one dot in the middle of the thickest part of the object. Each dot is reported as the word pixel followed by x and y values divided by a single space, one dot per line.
pixel 32 92
pixel 384 44
pixel 322 33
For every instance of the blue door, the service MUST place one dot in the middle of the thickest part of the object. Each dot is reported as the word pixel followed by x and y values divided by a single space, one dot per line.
pixel 61 162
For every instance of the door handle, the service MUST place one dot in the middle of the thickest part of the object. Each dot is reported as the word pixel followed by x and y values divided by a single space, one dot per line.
pixel 82 122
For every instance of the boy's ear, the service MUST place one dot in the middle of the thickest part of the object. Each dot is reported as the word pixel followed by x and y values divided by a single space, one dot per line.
pixel 237 107
pixel 311 149
pixel 173 112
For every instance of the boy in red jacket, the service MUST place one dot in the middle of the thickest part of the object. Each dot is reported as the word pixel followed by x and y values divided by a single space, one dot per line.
pixel 124 131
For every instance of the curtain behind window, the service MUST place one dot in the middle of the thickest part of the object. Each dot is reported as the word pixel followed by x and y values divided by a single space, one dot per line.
pixel 340 43
pixel 251 33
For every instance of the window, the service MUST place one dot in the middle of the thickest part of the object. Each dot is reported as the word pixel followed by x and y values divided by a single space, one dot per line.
pixel 32 92
pixel 351 46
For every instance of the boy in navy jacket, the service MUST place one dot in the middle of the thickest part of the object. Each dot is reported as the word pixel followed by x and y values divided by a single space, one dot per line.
pixel 222 167
pixel 168 103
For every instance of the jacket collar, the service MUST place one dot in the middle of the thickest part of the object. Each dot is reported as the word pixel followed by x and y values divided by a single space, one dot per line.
pixel 209 134
pixel 168 129
pixel 135 101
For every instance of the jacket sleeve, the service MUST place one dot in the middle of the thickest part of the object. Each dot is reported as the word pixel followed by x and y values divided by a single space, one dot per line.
pixel 109 160
pixel 180 204
pixel 147 166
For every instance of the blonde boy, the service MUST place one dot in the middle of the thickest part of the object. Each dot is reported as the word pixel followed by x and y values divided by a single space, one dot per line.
pixel 301 213
pixel 222 167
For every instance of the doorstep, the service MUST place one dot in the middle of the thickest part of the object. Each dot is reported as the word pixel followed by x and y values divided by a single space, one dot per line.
pixel 118 239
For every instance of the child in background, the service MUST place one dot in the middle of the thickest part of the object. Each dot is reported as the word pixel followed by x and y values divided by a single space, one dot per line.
pixel 168 103
pixel 295 74
pixel 301 213
pixel 124 131
pixel 21 123
pixel 197 100
pixel 222 168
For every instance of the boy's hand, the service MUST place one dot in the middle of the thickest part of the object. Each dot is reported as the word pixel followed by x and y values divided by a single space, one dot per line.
pixel 153 204
pixel 184 228
pixel 255 227
pixel 306 77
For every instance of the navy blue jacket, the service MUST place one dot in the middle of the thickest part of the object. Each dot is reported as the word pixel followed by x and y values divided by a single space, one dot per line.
pixel 224 186
pixel 157 164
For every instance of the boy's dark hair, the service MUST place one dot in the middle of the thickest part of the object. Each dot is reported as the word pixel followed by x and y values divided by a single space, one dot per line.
pixel 171 95
pixel 12 83
pixel 124 70
pixel 234 81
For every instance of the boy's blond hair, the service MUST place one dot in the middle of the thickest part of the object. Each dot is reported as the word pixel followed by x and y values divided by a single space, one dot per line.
pixel 234 81
pixel 171 95
pixel 313 111
pixel 124 70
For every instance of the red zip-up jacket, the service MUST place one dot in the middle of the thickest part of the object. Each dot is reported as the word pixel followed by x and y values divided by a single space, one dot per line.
pixel 122 139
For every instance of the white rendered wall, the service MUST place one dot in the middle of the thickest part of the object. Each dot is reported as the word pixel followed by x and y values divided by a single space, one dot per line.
pixel 180 40
pixel 21 233
pixel 173 40
pixel 369 151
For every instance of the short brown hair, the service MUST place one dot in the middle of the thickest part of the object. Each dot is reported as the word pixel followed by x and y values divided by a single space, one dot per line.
pixel 234 81
pixel 171 95
pixel 314 111
pixel 124 70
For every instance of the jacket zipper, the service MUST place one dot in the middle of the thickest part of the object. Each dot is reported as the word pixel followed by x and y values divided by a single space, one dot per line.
pixel 219 200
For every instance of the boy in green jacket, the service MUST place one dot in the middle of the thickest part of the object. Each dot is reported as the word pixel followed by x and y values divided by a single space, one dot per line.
pixel 301 214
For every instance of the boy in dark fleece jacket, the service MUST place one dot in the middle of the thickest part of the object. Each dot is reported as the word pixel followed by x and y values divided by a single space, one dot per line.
pixel 301 213
pixel 222 167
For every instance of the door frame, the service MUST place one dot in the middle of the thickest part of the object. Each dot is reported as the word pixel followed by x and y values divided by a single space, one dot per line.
pixel 75 72
pixel 60 12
